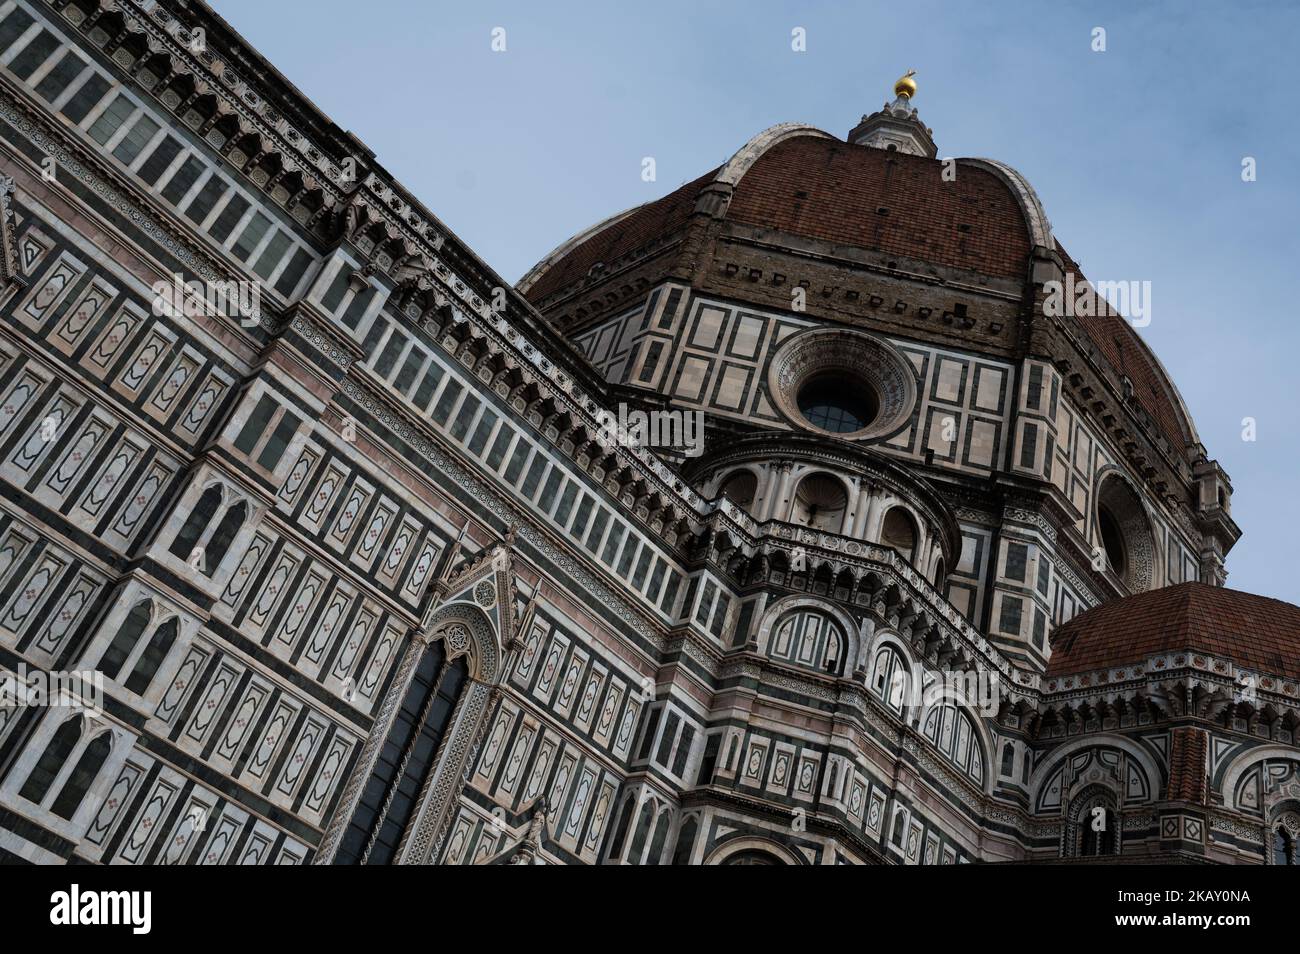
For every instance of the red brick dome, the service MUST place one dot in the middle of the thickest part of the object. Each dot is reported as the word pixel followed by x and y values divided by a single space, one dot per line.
pixel 1255 632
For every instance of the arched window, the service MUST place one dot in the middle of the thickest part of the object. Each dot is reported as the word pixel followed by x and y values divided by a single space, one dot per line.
pixel 889 678
pixel 660 837
pixel 899 531
pixel 752 857
pixel 1008 758
pixel 1123 533
pixel 197 522
pixel 390 796
pixel 223 537
pixel 1284 852
pixel 620 830
pixel 810 639
pixel 940 574
pixel 1093 830
pixel 133 627
pixel 839 403
pixel 51 761
pixel 82 777
pixel 819 502
pixel 740 488
pixel 146 667
pixel 686 841
pixel 954 734
pixel 896 836
pixel 1097 832
pixel 644 821
pixel 1112 540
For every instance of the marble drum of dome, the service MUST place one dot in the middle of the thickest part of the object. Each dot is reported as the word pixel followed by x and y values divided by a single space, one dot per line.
pixel 842 383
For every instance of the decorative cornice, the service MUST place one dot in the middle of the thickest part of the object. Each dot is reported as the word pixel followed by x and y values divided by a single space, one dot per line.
pixel 77 161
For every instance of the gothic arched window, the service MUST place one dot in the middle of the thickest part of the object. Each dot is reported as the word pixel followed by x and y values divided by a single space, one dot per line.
pixel 197 522
pixel 686 841
pixel 391 794
pixel 1284 848
pixel 889 678
pixel 133 627
pixel 204 550
pixel 1094 825
pixel 51 761
pixel 809 639
pixel 954 734
pixel 83 776
pixel 223 537
pixel 146 667
pixel 1097 832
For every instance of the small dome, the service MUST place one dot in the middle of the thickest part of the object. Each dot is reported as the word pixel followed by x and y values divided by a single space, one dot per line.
pixel 1255 632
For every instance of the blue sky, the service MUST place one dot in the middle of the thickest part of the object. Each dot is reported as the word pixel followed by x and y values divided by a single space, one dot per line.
pixel 1135 152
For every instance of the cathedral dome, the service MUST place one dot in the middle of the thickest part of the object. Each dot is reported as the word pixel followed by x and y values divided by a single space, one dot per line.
pixel 975 221
pixel 806 183
pixel 1255 632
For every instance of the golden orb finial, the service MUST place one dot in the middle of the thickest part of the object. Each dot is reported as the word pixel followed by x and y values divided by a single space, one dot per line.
pixel 906 86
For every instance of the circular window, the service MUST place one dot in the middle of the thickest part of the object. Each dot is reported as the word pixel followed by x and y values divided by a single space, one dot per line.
pixel 1124 535
pixel 838 403
pixel 842 383
pixel 1112 539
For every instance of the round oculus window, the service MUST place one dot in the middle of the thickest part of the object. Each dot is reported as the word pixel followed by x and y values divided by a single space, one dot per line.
pixel 843 383
pixel 838 403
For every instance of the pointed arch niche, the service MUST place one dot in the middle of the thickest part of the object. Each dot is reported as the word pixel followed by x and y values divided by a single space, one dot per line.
pixel 429 724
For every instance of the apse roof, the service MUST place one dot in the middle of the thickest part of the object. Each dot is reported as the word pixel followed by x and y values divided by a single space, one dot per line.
pixel 1255 632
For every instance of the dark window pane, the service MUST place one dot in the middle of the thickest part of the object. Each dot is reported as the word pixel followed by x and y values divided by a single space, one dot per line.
pixel 229 218
pixel 33 55
pixel 51 760
pixel 123 643
pixel 288 281
pixel 152 657
pixel 280 438
pixel 57 79
pixel 86 98
pixel 13 26
pixel 271 255
pixel 197 522
pixel 159 160
pixel 206 200
pixel 255 425
pixel 110 119
pixel 253 233
pixel 82 777
pixel 136 138
pixel 223 537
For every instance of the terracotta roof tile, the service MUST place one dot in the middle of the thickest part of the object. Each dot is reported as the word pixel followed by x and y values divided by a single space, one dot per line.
pixel 1255 632
pixel 653 220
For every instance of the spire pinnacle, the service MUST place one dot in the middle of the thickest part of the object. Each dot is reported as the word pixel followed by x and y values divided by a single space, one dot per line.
pixel 906 86
pixel 896 126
